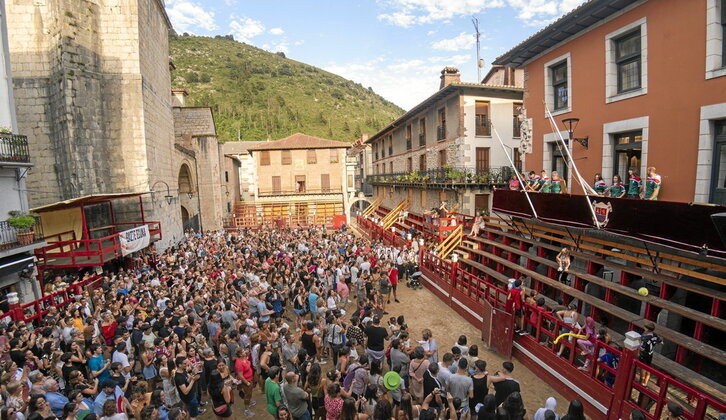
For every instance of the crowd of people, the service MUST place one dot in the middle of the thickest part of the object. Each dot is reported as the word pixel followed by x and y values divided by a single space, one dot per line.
pixel 633 187
pixel 292 319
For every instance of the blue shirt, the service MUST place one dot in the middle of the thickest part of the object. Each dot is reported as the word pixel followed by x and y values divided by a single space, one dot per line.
pixel 313 302
pixel 99 402
pixel 261 309
pixel 56 401
pixel 96 363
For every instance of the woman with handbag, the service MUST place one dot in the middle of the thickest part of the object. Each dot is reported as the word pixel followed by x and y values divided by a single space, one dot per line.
pixel 220 389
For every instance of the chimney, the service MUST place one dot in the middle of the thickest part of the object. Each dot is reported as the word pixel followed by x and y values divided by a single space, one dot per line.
pixel 178 97
pixel 449 75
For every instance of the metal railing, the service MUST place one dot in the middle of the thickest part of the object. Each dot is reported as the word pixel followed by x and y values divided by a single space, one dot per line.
pixel 11 238
pixel 14 148
pixel 446 175
pixel 306 191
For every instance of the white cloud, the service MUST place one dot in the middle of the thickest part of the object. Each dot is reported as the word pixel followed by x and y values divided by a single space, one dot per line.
pixel 277 31
pixel 244 29
pixel 405 82
pixel 275 47
pixel 460 42
pixel 406 13
pixel 187 16
pixel 409 12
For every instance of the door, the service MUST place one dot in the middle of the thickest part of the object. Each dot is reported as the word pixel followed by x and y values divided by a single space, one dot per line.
pixel 559 161
pixel 482 160
pixel 300 183
pixel 497 330
pixel 325 182
pixel 481 203
pixel 718 177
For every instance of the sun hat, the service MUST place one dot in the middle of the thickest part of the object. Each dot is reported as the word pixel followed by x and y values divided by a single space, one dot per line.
pixel 391 380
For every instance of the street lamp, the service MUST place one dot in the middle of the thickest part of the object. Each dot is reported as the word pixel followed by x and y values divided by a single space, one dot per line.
pixel 169 198
pixel 571 124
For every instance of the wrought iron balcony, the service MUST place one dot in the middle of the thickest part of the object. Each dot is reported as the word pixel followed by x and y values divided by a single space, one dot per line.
pixel 14 149
pixel 306 191
pixel 446 176
pixel 11 238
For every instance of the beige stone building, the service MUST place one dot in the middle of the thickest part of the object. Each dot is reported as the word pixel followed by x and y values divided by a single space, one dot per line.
pixel 445 148
pixel 246 181
pixel 300 180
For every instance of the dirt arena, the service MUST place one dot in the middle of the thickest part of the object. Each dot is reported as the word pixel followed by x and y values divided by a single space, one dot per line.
pixel 423 309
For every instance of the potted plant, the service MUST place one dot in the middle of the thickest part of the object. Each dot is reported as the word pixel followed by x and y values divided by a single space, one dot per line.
pixel 23 224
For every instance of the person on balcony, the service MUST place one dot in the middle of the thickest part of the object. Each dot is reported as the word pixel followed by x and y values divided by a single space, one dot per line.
pixel 514 184
pixel 532 182
pixel 545 185
pixel 652 185
pixel 599 184
pixel 559 186
pixel 617 189
pixel 634 183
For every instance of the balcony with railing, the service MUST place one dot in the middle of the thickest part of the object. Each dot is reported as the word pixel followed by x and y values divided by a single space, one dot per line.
pixel 446 176
pixel 305 191
pixel 14 149
pixel 11 238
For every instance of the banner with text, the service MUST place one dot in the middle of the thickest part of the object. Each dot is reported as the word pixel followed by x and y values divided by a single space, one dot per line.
pixel 135 239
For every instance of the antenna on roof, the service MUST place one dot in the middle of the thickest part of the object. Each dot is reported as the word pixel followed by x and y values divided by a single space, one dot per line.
pixel 479 60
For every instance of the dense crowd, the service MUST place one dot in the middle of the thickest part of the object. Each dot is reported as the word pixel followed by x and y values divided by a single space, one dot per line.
pixel 292 319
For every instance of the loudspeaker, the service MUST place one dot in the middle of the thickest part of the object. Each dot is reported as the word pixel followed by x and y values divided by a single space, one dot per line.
pixel 719 221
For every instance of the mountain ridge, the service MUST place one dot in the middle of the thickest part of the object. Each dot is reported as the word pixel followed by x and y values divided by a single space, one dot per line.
pixel 258 95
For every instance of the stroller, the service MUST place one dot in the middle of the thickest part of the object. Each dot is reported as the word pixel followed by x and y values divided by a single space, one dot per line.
pixel 414 274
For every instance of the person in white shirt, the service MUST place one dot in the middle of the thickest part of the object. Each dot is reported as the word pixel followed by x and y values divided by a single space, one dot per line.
pixel 119 356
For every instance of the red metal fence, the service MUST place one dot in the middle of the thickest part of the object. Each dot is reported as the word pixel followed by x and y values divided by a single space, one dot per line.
pixel 607 379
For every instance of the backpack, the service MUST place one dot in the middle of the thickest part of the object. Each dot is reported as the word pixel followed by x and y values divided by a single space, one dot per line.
pixel 348 380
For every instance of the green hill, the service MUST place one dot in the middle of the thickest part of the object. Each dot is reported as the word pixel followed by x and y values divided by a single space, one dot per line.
pixel 258 95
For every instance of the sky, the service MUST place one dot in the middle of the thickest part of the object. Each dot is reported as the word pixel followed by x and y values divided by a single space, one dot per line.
pixel 396 47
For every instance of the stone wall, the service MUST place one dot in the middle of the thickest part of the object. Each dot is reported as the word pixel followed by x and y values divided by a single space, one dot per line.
pixel 92 87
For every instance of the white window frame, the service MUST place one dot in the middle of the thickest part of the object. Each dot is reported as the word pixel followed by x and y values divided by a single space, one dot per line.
pixel 709 115
pixel 547 140
pixel 611 70
pixel 714 40
pixel 549 94
pixel 609 130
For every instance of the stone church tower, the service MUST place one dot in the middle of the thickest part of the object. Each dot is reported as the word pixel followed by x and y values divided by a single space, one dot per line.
pixel 93 94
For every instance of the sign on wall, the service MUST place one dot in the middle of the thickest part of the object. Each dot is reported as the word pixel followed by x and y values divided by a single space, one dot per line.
pixel 135 239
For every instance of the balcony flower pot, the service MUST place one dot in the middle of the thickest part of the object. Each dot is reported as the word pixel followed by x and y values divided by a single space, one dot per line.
pixel 23 224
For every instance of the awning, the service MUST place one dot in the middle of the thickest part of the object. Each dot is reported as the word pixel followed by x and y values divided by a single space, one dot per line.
pixel 86 201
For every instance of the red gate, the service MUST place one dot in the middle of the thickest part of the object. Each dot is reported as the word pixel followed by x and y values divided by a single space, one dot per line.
pixel 497 329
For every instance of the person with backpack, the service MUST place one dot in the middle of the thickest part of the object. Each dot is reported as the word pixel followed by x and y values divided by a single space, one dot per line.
pixel 355 380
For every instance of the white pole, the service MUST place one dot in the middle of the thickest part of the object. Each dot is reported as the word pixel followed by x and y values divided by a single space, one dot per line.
pixel 519 176
pixel 585 186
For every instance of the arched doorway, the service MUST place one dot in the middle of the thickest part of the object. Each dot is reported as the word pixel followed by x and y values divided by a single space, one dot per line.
pixel 186 184
pixel 188 206
pixel 358 205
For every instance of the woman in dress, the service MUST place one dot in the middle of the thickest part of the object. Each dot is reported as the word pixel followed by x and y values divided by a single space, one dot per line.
pixel 559 186
pixel 416 369
pixel 333 402
pixel 617 190
pixel 599 185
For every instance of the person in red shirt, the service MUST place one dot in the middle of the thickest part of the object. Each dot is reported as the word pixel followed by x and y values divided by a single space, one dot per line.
pixel 514 301
pixel 393 278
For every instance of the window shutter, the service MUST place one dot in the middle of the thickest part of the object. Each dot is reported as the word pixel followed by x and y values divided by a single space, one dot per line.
pixel 312 156
pixel 286 157
pixel 325 182
pixel 265 158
